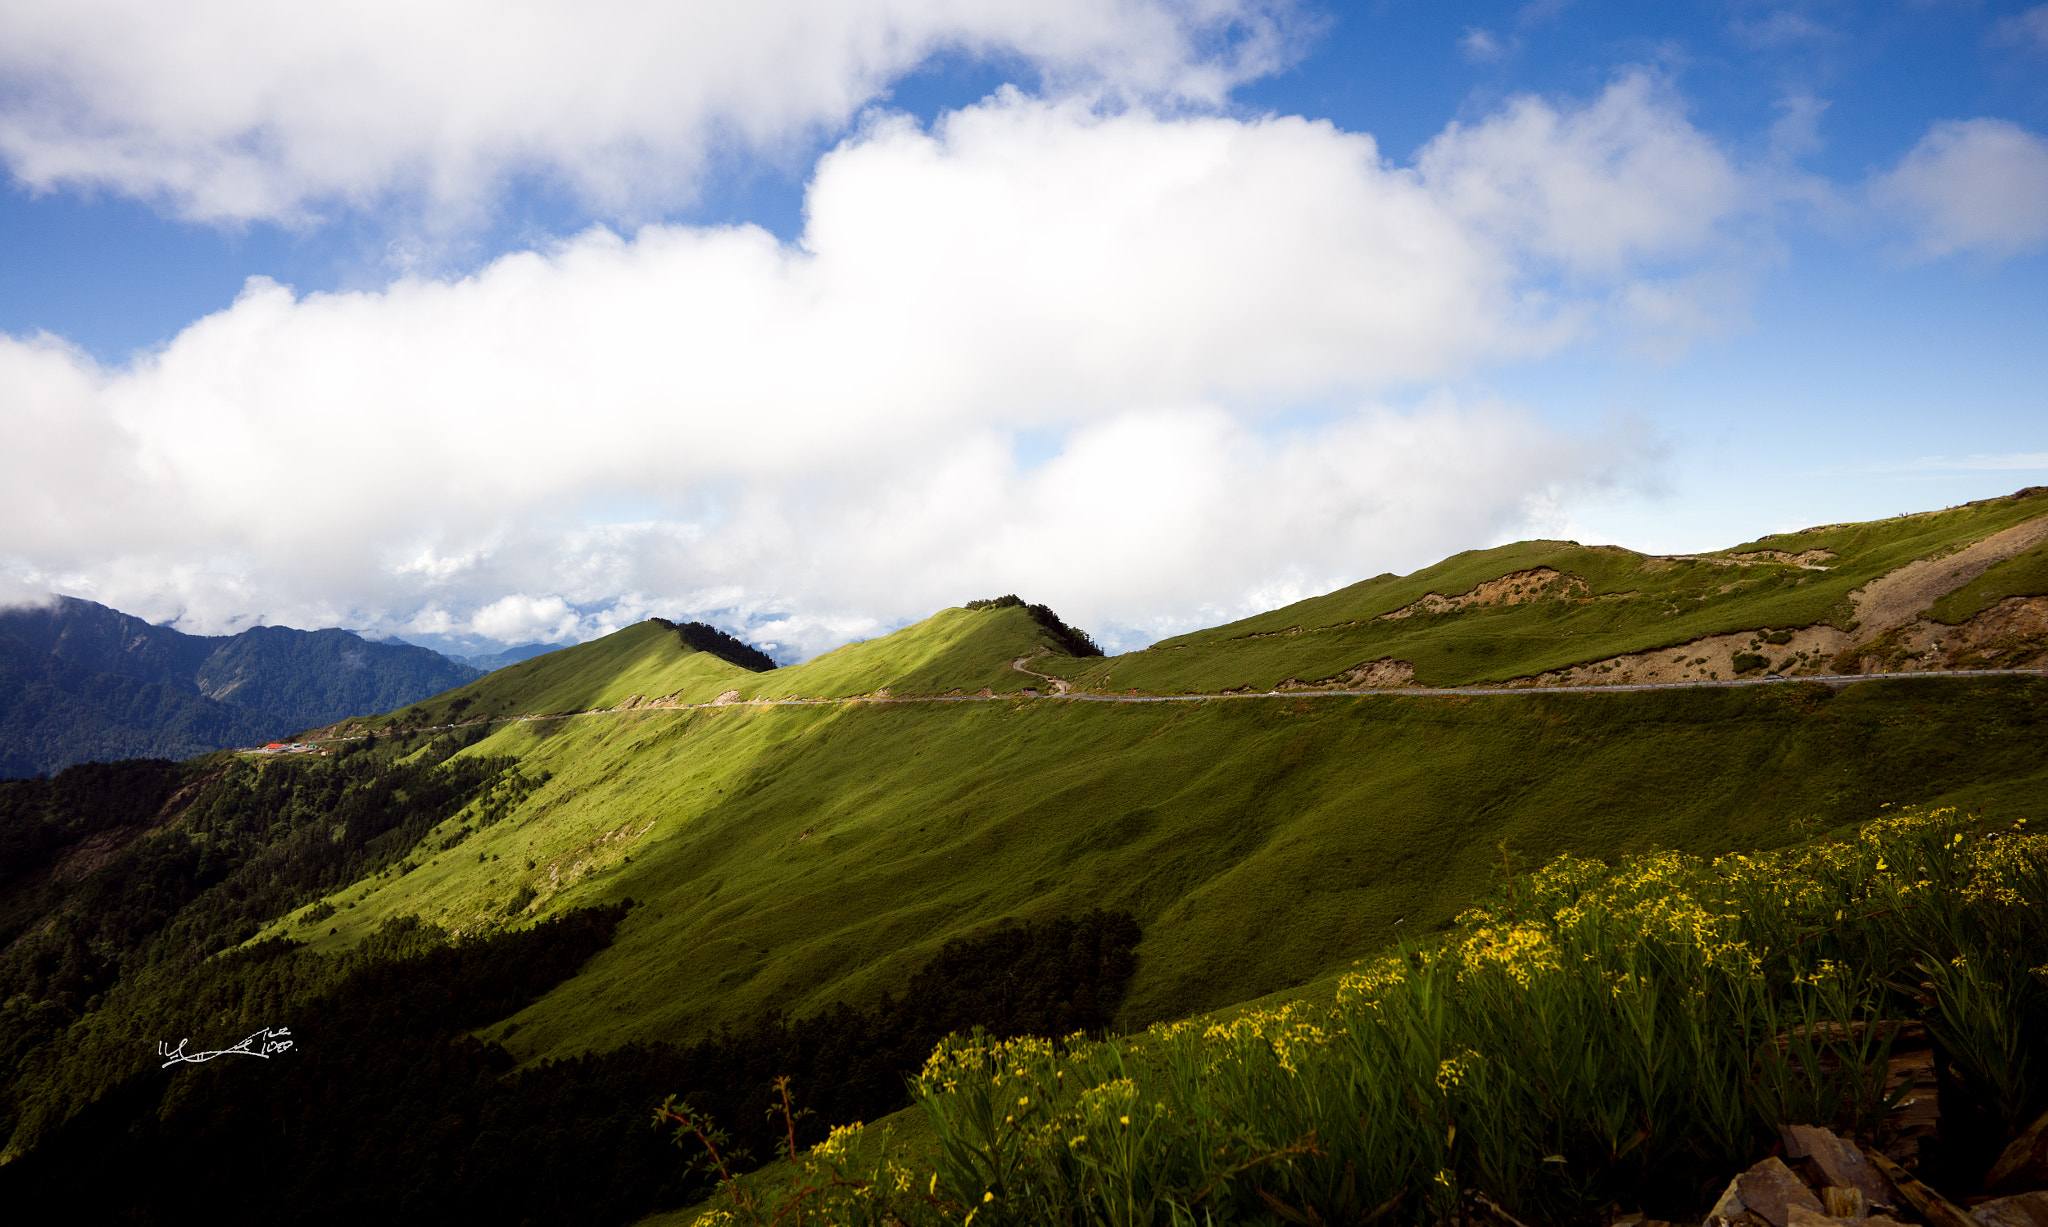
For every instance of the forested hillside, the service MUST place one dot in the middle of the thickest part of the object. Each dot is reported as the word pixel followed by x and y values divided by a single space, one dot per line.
pixel 80 682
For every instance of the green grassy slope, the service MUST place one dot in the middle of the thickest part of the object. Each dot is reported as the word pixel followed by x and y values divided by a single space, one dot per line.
pixel 1608 601
pixel 953 651
pixel 794 855
pixel 791 856
pixel 645 659
pixel 1629 603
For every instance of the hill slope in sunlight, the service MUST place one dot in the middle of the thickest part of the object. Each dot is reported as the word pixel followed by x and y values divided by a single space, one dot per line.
pixel 798 837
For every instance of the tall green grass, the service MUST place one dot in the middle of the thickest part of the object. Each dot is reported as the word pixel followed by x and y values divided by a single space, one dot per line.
pixel 1593 1037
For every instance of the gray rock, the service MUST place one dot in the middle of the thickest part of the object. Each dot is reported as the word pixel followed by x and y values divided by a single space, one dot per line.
pixel 1729 1209
pixel 1770 1190
pixel 2024 1163
pixel 1838 1163
pixel 1800 1216
pixel 2022 1210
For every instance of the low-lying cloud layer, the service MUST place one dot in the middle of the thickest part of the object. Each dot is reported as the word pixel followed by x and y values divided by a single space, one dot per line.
pixel 1192 323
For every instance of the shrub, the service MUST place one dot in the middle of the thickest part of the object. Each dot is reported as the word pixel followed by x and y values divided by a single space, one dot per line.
pixel 1072 640
pixel 1750 662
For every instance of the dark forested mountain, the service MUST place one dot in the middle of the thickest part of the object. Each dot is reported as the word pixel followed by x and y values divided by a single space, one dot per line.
pixel 80 682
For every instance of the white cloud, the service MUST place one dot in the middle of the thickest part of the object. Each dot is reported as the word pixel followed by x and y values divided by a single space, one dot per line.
pixel 2028 30
pixel 1483 46
pixel 1796 132
pixel 245 109
pixel 1972 186
pixel 521 618
pixel 1591 188
pixel 18 593
pixel 1210 314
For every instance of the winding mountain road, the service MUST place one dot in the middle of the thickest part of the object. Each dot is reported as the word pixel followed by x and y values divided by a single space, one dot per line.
pixel 1067 694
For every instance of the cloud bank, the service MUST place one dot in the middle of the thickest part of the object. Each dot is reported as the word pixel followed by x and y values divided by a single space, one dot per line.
pixel 237 110
pixel 1205 316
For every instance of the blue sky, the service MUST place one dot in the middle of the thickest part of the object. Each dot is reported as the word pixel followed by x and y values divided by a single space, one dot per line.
pixel 812 322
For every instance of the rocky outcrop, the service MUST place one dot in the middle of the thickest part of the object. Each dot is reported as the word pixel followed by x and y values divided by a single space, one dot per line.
pixel 1828 1181
pixel 1824 1180
pixel 2024 1163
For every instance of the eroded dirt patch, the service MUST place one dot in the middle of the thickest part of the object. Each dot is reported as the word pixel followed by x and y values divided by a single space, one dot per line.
pixel 1899 597
pixel 2012 634
pixel 1383 674
pixel 1517 588
pixel 1812 560
pixel 1803 653
pixel 1890 633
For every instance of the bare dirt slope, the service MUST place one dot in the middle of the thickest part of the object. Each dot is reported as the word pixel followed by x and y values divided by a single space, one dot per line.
pixel 1900 597
pixel 1890 632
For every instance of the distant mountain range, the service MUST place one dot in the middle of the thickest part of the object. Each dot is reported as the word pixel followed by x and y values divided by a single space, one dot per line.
pixel 498 660
pixel 81 682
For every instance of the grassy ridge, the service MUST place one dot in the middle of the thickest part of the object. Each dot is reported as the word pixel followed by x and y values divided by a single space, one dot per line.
pixel 953 651
pixel 644 659
pixel 1630 603
pixel 790 857
pixel 1608 601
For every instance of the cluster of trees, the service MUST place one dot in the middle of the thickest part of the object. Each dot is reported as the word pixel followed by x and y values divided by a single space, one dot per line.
pixel 102 889
pixel 382 1110
pixel 387 1109
pixel 1073 640
pixel 707 638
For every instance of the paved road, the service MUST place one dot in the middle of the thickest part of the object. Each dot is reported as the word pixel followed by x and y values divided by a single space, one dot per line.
pixel 1418 692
